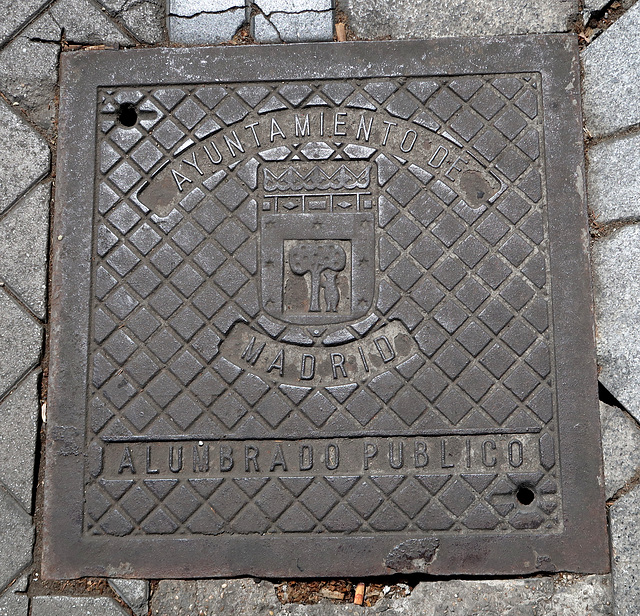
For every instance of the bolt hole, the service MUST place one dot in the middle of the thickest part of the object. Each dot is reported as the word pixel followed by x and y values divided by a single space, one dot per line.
pixel 127 114
pixel 525 495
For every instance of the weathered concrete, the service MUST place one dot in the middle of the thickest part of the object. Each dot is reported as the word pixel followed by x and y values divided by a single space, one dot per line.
pixel 29 71
pixel 14 602
pixel 15 13
pixel 84 24
pixel 614 179
pixel 24 156
pixel 145 19
pixel 401 19
pixel 611 98
pixel 75 606
pixel 16 539
pixel 549 596
pixel 625 538
pixel 616 271
pixel 23 250
pixel 135 593
pixel 18 426
pixel 620 446
pixel 20 342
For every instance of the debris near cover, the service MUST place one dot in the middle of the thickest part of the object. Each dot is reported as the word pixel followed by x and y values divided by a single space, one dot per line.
pixel 242 37
pixel 343 31
pixel 598 230
pixel 339 591
pixel 592 24
pixel 359 597
pixel 85 587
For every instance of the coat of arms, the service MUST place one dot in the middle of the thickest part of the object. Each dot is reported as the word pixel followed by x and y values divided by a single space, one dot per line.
pixel 317 243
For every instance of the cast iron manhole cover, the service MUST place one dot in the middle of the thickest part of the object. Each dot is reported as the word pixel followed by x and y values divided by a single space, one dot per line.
pixel 322 310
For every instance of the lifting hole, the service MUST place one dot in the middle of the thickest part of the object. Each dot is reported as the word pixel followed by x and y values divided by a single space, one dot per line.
pixel 525 495
pixel 127 114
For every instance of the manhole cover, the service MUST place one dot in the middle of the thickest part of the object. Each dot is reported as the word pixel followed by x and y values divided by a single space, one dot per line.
pixel 322 310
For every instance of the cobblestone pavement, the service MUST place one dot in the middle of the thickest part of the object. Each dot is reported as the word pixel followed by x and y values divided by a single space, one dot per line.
pixel 33 34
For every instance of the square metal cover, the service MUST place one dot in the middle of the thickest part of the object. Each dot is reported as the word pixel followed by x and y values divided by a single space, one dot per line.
pixel 322 310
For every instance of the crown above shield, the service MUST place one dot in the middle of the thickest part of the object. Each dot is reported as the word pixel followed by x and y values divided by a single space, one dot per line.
pixel 342 178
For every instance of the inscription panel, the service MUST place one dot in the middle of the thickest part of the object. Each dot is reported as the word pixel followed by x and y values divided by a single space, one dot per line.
pixel 322 308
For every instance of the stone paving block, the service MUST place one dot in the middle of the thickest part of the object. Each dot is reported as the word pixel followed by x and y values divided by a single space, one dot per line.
pixel 29 70
pixel 625 538
pixel 263 30
pixel 23 250
pixel 145 19
pixel 135 593
pixel 611 89
pixel 620 447
pixel 15 13
pixel 75 606
pixel 24 156
pixel 292 6
pixel 562 595
pixel 200 22
pixel 403 19
pixel 616 273
pixel 20 342
pixel 293 27
pixel 614 179
pixel 191 8
pixel 14 601
pixel 16 539
pixel 18 426
pixel 292 21
pixel 595 5
pixel 84 24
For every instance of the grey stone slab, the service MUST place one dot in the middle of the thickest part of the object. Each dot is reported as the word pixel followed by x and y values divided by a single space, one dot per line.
pixel 595 5
pixel 85 24
pixel 145 19
pixel 626 581
pixel 292 6
pixel 75 606
pixel 135 593
pixel 16 539
pixel 206 28
pixel 29 70
pixel 24 156
pixel 18 427
pixel 614 179
pixel 165 327
pixel 23 251
pixel 15 13
pixel 14 600
pixel 189 8
pixel 293 27
pixel 616 274
pixel 403 19
pixel 263 30
pixel 20 342
pixel 611 90
pixel 562 595
pixel 293 21
pixel 625 538
pixel 620 446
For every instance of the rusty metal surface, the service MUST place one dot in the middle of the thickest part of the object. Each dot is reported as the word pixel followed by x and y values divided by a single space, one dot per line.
pixel 323 310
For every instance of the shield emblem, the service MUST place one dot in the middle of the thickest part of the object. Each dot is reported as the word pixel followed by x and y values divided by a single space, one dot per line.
pixel 317 243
